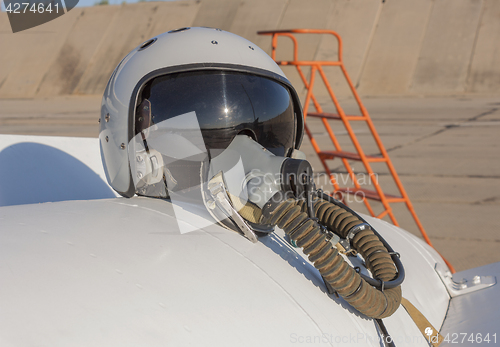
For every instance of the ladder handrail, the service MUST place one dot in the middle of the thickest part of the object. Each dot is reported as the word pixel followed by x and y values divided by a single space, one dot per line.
pixel 289 32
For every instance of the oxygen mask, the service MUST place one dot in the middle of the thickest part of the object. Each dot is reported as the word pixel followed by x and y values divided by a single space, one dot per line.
pixel 245 177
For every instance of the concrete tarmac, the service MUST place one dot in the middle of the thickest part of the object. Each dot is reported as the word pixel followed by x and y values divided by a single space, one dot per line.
pixel 445 150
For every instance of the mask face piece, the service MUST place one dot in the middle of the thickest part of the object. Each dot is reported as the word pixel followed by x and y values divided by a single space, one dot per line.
pixel 251 173
pixel 248 174
pixel 251 177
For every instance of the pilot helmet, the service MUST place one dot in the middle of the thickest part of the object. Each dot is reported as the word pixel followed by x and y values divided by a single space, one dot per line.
pixel 202 87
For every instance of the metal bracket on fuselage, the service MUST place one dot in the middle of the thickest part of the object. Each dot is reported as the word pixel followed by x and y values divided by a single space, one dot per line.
pixel 465 285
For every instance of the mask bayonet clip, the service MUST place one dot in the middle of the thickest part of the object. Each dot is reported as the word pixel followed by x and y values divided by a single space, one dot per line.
pixel 217 189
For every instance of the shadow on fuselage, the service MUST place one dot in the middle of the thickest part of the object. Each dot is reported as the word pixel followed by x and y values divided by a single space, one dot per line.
pixel 34 173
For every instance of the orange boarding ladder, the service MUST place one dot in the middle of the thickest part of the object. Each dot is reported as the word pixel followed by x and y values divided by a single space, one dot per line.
pixel 324 155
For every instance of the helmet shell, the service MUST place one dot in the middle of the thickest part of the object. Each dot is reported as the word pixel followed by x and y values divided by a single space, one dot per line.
pixel 181 50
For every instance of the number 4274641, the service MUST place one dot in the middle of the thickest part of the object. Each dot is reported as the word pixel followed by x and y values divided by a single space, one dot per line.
pixel 461 338
pixel 23 7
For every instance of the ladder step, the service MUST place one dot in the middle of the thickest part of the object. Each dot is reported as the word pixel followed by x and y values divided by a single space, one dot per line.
pixel 334 116
pixel 349 155
pixel 371 194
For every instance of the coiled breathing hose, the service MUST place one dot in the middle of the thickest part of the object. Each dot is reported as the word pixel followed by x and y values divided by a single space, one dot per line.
pixel 291 216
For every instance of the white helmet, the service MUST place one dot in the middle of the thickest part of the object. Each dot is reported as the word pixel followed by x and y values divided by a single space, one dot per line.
pixel 233 86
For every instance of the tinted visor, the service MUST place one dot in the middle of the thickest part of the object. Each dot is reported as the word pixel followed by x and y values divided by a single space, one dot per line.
pixel 226 104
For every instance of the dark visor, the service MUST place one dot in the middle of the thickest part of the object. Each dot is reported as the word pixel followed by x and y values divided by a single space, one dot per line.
pixel 226 104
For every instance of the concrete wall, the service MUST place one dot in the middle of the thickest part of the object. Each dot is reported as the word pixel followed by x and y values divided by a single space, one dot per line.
pixel 77 51
pixel 446 51
pixel 355 22
pixel 484 75
pixel 30 53
pixel 395 47
pixel 391 47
